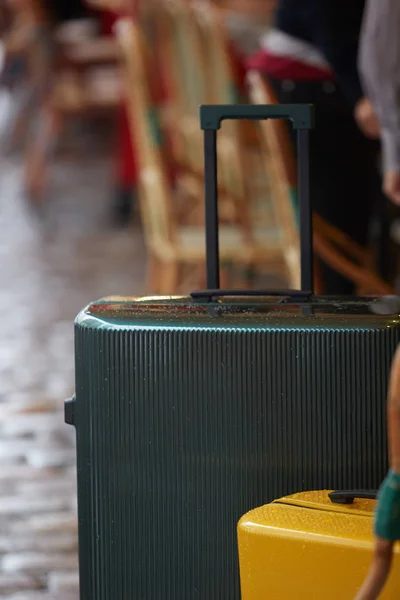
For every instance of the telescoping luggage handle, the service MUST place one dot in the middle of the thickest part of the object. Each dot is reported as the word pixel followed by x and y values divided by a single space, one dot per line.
pixel 302 118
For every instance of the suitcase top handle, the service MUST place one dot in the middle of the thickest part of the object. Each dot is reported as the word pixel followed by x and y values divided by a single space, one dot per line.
pixel 302 118
pixel 348 496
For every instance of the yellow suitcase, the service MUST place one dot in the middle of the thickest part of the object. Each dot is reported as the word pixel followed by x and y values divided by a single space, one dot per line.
pixel 310 546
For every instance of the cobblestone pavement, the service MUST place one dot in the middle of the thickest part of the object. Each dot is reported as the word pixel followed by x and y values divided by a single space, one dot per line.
pixel 51 267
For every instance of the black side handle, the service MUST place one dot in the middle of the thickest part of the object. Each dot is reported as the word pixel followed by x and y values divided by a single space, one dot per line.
pixel 348 496
pixel 69 411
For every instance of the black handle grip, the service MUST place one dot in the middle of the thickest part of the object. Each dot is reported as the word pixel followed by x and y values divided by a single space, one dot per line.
pixel 348 496
pixel 207 295
pixel 301 115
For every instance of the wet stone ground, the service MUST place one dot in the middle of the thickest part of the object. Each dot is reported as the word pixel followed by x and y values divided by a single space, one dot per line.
pixel 50 267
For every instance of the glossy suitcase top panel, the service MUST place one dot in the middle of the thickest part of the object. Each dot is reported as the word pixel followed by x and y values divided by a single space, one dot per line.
pixel 279 519
pixel 313 513
pixel 242 313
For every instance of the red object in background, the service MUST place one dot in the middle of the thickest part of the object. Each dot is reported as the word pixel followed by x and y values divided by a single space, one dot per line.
pixel 127 173
pixel 108 20
pixel 127 162
pixel 239 68
pixel 285 67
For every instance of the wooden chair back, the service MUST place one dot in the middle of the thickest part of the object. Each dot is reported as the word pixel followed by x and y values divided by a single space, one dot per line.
pixel 181 61
pixel 223 88
pixel 331 245
pixel 181 43
pixel 155 198
pixel 281 175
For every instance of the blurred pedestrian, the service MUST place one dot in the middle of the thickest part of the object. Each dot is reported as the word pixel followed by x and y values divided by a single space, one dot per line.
pixel 310 56
pixel 380 69
pixel 387 514
pixel 28 54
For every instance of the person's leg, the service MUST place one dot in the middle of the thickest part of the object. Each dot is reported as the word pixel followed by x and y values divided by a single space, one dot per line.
pixel 45 132
pixel 379 571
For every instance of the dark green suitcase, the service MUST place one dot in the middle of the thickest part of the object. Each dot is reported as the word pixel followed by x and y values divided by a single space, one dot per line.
pixel 191 411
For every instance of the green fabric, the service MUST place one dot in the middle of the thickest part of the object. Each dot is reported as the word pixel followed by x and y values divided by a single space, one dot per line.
pixel 156 132
pixel 387 517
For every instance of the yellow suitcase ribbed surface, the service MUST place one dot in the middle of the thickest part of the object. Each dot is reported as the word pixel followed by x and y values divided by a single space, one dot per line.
pixel 303 547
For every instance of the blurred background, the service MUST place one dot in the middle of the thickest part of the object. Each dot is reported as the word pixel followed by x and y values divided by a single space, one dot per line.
pixel 101 192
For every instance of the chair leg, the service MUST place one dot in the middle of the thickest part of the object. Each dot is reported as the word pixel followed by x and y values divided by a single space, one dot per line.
pixel 249 276
pixel 202 275
pixel 224 277
pixel 169 279
pixel 19 129
pixel 154 272
pixel 318 280
pixel 38 154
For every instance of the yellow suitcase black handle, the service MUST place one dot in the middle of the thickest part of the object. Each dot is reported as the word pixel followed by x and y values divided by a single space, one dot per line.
pixel 348 496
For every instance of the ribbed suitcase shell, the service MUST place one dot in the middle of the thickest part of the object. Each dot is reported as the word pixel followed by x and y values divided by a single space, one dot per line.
pixel 189 415
pixel 305 548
